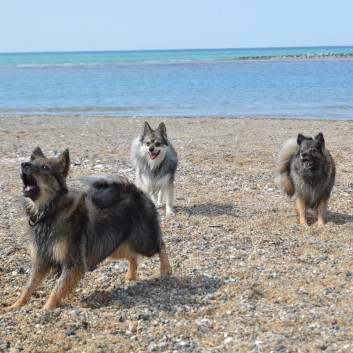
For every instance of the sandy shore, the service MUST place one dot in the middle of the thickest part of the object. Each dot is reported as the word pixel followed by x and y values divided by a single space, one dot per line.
pixel 247 277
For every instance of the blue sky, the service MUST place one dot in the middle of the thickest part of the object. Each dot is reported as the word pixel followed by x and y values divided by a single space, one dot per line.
pixel 75 25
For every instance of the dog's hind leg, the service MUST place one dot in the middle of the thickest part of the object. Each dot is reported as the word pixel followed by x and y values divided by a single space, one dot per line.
pixel 37 276
pixel 131 272
pixel 321 212
pixel 124 252
pixel 300 207
pixel 65 285
pixel 166 269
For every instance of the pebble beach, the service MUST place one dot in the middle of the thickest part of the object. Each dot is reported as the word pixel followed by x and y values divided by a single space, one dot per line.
pixel 247 277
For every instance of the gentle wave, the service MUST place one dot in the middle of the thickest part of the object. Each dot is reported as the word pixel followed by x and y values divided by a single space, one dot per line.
pixel 102 64
pixel 69 109
pixel 344 107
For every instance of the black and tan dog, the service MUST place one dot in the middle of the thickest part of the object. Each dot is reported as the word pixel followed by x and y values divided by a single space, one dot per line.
pixel 72 231
pixel 307 171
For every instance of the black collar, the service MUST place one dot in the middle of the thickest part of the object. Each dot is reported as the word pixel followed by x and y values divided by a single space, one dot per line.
pixel 34 220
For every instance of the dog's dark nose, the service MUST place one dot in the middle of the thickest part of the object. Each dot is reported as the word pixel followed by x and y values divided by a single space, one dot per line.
pixel 25 165
pixel 151 149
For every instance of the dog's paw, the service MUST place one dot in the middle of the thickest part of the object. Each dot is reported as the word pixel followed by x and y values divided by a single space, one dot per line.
pixel 169 210
pixel 166 272
pixel 130 277
pixel 50 306
pixel 9 308
pixel 321 221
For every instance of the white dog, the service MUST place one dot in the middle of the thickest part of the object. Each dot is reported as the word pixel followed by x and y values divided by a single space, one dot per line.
pixel 155 162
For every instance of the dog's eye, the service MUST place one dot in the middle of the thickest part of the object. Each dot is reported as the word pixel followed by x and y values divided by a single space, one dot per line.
pixel 45 168
pixel 157 144
pixel 147 143
pixel 313 150
pixel 302 150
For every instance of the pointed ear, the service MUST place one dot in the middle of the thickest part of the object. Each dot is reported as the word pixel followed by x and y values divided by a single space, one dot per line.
pixel 320 137
pixel 300 139
pixel 65 162
pixel 37 153
pixel 146 128
pixel 162 129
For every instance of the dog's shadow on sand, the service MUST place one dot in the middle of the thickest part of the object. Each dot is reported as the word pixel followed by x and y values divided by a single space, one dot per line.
pixel 163 294
pixel 339 218
pixel 208 209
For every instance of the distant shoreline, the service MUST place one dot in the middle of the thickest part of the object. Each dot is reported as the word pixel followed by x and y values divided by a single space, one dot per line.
pixel 65 115
pixel 295 57
pixel 113 56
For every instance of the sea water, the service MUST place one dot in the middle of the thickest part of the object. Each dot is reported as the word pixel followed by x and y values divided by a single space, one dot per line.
pixel 214 82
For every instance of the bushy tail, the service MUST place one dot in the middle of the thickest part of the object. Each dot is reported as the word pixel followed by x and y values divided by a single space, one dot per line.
pixel 283 164
pixel 103 180
pixel 107 191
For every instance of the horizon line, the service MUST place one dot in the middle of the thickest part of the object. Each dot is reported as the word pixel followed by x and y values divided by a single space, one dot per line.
pixel 172 49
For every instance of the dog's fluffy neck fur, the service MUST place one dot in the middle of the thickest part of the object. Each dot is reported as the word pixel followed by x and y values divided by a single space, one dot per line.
pixel 37 211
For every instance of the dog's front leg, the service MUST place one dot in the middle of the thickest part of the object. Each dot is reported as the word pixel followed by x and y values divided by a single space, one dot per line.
pixel 322 210
pixel 300 207
pixel 160 199
pixel 65 285
pixel 156 199
pixel 38 273
pixel 170 198
pixel 165 268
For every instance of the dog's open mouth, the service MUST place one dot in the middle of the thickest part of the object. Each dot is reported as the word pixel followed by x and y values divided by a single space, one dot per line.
pixel 308 163
pixel 30 187
pixel 154 155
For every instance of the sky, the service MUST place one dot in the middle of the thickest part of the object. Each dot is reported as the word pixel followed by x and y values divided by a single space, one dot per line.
pixel 85 25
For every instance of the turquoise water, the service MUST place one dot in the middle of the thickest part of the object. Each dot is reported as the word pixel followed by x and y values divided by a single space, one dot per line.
pixel 180 82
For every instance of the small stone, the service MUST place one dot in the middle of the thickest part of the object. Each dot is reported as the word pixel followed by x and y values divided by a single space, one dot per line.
pixel 151 347
pixel 70 332
pixel 228 340
pixel 77 161
pixel 133 327
pixel 13 350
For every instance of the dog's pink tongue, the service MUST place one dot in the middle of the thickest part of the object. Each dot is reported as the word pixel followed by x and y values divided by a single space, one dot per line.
pixel 153 155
